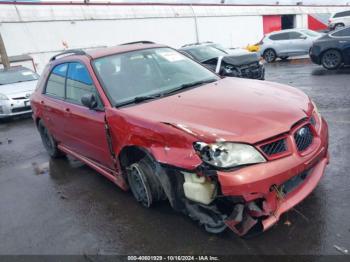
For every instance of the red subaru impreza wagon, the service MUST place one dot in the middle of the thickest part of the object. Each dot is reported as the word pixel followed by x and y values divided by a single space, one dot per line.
pixel 228 152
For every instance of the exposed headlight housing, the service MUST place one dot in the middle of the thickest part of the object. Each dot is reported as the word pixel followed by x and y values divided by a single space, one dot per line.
pixel 227 154
pixel 3 97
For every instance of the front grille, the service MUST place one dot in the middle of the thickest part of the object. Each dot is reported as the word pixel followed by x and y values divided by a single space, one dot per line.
pixel 21 109
pixel 275 147
pixel 19 98
pixel 252 70
pixel 303 138
pixel 294 182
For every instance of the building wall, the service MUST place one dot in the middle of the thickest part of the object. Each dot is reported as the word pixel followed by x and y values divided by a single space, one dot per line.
pixel 42 30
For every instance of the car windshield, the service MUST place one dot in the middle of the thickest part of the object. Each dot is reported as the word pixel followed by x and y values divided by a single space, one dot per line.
pixel 311 33
pixel 15 75
pixel 139 75
pixel 203 53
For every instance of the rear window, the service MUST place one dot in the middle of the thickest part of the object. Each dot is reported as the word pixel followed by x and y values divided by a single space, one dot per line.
pixel 281 36
pixel 16 75
pixel 342 14
pixel 56 82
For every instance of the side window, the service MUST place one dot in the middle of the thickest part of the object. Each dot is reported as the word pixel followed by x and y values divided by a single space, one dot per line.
pixel 56 82
pixel 79 83
pixel 281 36
pixel 342 14
pixel 343 32
pixel 295 35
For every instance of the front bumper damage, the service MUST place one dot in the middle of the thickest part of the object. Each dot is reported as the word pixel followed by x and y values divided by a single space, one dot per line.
pixel 251 200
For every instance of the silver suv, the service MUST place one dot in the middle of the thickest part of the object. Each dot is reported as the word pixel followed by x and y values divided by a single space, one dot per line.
pixel 338 20
pixel 286 43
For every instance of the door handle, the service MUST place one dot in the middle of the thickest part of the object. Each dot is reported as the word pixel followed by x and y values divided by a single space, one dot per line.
pixel 343 41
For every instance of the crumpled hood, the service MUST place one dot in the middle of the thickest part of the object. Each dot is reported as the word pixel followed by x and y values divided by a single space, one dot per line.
pixel 241 59
pixel 232 109
pixel 21 88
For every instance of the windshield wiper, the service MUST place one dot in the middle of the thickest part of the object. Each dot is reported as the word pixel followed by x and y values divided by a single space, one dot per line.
pixel 138 99
pixel 191 84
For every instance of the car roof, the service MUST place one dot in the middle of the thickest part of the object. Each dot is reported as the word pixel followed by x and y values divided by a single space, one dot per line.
pixel 287 30
pixel 194 45
pixel 106 51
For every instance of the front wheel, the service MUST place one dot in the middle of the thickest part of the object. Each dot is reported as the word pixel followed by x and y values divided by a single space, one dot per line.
pixel 48 141
pixel 143 182
pixel 331 59
pixel 269 55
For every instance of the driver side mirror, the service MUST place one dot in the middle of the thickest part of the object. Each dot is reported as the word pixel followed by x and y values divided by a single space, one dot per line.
pixel 303 37
pixel 89 100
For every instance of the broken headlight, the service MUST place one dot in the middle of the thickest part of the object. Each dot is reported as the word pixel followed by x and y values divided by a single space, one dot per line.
pixel 227 154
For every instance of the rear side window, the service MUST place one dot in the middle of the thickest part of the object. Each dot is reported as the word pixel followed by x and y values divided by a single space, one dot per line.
pixel 79 82
pixel 343 32
pixel 281 36
pixel 56 82
pixel 295 35
pixel 342 14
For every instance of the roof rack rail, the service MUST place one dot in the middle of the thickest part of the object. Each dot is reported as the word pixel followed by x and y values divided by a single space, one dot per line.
pixel 139 42
pixel 72 52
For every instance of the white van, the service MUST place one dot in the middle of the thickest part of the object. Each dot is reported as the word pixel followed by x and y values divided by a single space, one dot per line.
pixel 339 19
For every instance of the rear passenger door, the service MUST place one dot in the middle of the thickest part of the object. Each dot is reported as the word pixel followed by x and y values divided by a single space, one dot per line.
pixel 299 43
pixel 281 43
pixel 84 128
pixel 53 109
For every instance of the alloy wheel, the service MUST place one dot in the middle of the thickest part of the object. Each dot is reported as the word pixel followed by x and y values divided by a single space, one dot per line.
pixel 331 59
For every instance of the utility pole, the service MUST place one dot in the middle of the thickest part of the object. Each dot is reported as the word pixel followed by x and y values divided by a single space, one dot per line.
pixel 3 54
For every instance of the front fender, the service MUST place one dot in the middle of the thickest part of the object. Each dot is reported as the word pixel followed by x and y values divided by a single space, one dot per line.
pixel 167 144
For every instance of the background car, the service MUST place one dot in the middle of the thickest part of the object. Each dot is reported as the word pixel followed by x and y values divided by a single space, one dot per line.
pixel 339 19
pixel 286 43
pixel 16 86
pixel 226 62
pixel 332 50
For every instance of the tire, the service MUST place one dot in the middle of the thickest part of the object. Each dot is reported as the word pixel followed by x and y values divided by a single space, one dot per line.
pixel 269 55
pixel 48 141
pixel 284 58
pixel 338 26
pixel 143 182
pixel 331 59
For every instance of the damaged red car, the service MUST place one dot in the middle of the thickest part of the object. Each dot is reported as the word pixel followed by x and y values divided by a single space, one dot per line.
pixel 230 153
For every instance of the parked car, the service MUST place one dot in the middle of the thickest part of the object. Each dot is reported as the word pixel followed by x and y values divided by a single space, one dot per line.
pixel 228 152
pixel 339 20
pixel 226 62
pixel 16 86
pixel 286 43
pixel 332 50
